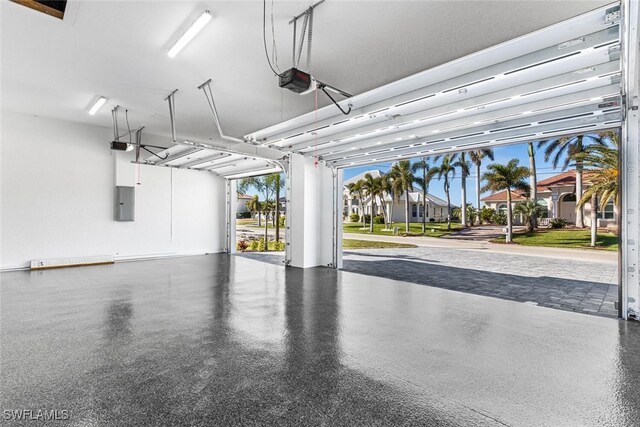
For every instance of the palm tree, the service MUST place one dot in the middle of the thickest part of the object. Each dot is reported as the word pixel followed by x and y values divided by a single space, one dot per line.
pixel 447 167
pixel 570 147
pixel 386 187
pixel 373 188
pixel 423 183
pixel 507 177
pixel 533 181
pixel 403 180
pixel 254 206
pixel 603 179
pixel 476 157
pixel 465 168
pixel 530 210
pixel 356 187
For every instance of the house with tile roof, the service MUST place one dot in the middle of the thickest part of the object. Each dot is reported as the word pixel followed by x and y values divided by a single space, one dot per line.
pixel 557 195
pixel 436 208
pixel 241 206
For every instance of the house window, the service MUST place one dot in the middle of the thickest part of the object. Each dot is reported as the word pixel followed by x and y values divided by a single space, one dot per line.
pixel 608 211
pixel 421 210
pixel 427 212
pixel 502 208
pixel 414 210
pixel 569 197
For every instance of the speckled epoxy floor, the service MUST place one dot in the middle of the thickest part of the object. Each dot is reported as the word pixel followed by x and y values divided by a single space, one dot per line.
pixel 223 340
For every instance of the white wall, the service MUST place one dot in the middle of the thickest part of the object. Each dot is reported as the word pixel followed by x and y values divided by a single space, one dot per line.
pixel 58 185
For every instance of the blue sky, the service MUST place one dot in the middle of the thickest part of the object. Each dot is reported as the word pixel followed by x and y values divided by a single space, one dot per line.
pixel 502 155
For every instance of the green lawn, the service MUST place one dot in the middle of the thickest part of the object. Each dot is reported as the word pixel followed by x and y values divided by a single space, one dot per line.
pixel 253 223
pixel 434 229
pixel 366 244
pixel 564 238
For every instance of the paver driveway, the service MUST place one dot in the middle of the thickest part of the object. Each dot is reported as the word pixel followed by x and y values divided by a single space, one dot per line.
pixel 587 287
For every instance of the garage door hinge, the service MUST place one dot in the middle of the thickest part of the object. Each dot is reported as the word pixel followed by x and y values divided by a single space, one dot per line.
pixel 612 15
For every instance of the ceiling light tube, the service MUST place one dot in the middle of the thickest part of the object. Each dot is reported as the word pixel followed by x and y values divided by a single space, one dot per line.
pixel 188 35
pixel 99 103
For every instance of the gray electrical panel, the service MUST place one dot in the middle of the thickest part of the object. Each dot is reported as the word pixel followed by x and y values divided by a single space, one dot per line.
pixel 125 203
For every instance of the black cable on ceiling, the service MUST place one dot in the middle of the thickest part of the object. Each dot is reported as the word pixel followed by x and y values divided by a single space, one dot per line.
pixel 264 36
pixel 346 113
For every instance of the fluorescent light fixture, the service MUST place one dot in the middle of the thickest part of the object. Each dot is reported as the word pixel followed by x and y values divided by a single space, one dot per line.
pixel 99 103
pixel 193 30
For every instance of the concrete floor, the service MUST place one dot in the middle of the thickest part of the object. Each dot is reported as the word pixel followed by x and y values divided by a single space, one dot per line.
pixel 225 340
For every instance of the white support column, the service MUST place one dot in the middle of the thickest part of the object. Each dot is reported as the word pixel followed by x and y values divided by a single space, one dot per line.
pixel 310 219
pixel 554 205
pixel 232 201
pixel 630 165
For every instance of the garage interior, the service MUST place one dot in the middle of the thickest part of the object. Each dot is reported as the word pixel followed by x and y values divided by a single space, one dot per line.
pixel 122 144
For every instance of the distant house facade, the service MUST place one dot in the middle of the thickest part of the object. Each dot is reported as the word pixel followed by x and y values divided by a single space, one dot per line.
pixel 434 208
pixel 557 195
pixel 241 206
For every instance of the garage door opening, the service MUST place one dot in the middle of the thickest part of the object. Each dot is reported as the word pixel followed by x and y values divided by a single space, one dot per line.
pixel 260 218
pixel 404 220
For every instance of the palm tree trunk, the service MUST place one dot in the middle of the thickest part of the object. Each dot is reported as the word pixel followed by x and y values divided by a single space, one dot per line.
pixel 393 201
pixel 533 181
pixel 594 219
pixel 463 193
pixel 509 217
pixel 406 205
pixel 371 216
pixel 384 211
pixel 424 198
pixel 579 211
pixel 259 215
pixel 361 209
pixel 266 228
pixel 446 190
pixel 277 224
pixel 478 191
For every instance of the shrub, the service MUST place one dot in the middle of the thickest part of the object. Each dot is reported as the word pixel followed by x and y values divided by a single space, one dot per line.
pixel 354 217
pixel 253 246
pixel 281 220
pixel 260 245
pixel 558 223
pixel 242 245
pixel 245 215
pixel 486 214
pixel 499 218
pixel 432 220
pixel 276 246
pixel 378 219
pixel 367 218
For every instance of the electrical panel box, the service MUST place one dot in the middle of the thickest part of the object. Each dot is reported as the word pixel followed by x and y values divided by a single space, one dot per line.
pixel 125 203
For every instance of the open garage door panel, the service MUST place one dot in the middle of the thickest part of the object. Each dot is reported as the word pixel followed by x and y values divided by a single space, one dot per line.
pixel 564 79
pixel 223 163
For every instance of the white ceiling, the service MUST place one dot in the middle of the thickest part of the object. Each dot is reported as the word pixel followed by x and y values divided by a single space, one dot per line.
pixel 118 49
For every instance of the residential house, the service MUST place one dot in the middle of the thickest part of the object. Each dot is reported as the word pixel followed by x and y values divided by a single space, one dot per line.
pixel 557 195
pixel 436 208
pixel 241 206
